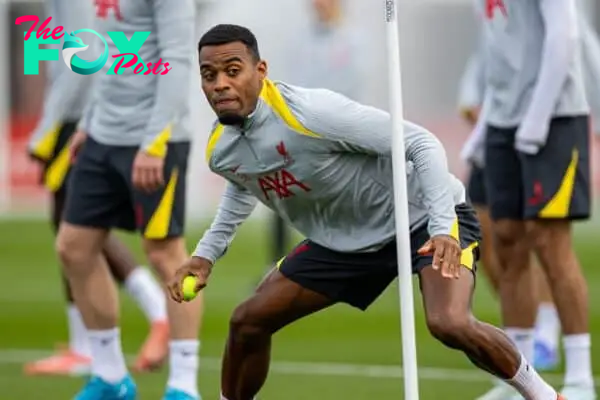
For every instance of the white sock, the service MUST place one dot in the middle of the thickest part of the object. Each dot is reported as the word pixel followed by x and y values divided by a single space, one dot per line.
pixel 78 336
pixel 108 362
pixel 183 364
pixel 547 325
pixel 578 364
pixel 523 339
pixel 147 293
pixel 530 384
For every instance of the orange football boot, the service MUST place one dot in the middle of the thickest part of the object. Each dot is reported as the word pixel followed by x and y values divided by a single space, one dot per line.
pixel 155 349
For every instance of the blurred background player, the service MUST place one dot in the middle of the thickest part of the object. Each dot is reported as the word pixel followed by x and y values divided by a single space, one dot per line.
pixel 65 97
pixel 327 55
pixel 130 173
pixel 471 95
pixel 535 124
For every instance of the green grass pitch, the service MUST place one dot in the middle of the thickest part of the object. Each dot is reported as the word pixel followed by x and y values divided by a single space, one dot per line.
pixel 340 353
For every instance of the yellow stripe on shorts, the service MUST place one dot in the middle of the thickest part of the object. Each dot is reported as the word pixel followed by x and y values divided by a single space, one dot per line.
pixel 57 170
pixel 280 262
pixel 158 226
pixel 467 256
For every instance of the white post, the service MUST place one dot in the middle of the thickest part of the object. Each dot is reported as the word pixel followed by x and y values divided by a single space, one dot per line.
pixel 407 312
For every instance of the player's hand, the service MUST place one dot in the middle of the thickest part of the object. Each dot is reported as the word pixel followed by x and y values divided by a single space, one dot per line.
pixel 531 137
pixel 473 152
pixel 147 173
pixel 470 114
pixel 75 143
pixel 446 255
pixel 526 147
pixel 196 266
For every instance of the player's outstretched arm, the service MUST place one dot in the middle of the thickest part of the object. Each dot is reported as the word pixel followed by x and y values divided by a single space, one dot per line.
pixel 175 31
pixel 428 157
pixel 235 207
pixel 560 41
pixel 360 128
pixel 336 118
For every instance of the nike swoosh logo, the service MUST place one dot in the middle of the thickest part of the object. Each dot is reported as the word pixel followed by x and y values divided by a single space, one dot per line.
pixel 122 391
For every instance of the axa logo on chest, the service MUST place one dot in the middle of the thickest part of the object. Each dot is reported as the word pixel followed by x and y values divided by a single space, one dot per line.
pixel 128 56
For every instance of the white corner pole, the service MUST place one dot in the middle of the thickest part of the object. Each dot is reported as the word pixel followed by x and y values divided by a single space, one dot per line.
pixel 405 286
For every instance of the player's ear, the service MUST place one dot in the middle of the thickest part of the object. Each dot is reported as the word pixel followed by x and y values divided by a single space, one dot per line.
pixel 261 67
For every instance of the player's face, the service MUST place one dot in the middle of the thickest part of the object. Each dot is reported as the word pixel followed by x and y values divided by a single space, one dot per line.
pixel 325 9
pixel 231 80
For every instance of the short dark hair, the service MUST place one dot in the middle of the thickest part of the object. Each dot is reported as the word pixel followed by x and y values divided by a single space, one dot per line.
pixel 228 33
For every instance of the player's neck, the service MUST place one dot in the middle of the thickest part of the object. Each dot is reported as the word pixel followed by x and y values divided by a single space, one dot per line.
pixel 255 117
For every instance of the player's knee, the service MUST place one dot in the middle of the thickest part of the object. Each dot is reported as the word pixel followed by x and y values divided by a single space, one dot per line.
pixel 450 327
pixel 71 247
pixel 509 233
pixel 245 328
pixel 165 256
pixel 551 237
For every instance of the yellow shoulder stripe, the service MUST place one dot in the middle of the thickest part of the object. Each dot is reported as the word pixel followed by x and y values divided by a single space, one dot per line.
pixel 274 99
pixel 212 141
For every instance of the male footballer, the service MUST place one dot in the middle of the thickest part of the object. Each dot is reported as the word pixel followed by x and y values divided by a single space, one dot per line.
pixel 323 162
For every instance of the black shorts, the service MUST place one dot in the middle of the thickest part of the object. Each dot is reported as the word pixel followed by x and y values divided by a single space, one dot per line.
pixel 359 278
pixel 101 192
pixel 56 169
pixel 553 184
pixel 476 186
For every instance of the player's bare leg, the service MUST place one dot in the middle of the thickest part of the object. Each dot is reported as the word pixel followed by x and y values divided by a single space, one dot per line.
pixel 554 248
pixel 276 303
pixel 518 299
pixel 74 358
pixel 166 256
pixel 447 305
pixel 547 324
pixel 95 293
pixel 517 290
pixel 489 259
pixel 545 334
pixel 148 295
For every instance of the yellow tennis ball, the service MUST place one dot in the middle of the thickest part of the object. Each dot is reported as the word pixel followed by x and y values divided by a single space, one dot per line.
pixel 189 288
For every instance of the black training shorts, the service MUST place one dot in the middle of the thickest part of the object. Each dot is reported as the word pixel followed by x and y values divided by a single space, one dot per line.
pixel 476 187
pixel 553 184
pixel 359 278
pixel 101 193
